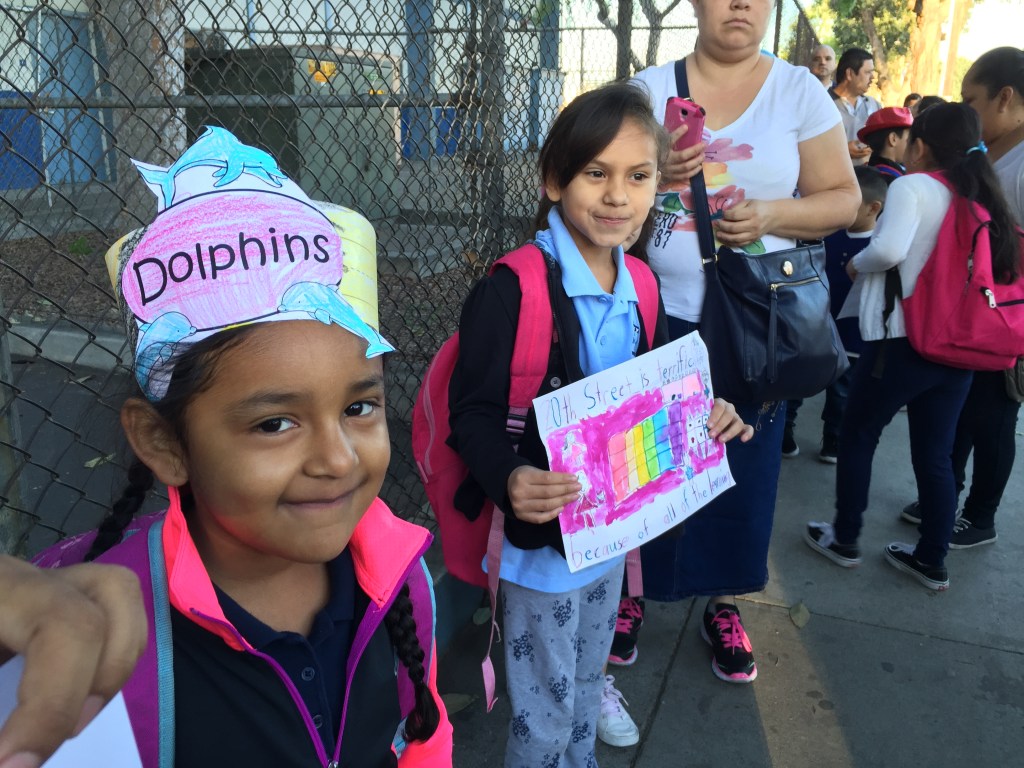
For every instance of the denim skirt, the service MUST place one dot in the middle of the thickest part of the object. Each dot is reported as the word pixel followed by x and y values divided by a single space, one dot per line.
pixel 722 549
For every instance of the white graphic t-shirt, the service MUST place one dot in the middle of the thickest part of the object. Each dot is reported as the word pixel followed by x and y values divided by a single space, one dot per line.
pixel 755 158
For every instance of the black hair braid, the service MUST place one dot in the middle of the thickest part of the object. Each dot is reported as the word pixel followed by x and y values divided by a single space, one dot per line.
pixel 401 626
pixel 140 480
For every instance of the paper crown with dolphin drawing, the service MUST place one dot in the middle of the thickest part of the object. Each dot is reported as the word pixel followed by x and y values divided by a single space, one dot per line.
pixel 236 242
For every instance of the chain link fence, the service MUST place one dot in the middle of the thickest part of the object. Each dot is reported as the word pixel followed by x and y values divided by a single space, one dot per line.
pixel 425 115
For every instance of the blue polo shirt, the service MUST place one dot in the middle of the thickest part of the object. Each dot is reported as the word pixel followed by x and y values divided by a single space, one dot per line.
pixel 316 665
pixel 609 335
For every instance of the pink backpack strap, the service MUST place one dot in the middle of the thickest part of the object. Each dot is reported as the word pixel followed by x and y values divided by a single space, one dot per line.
pixel 534 337
pixel 535 332
pixel 495 541
pixel 647 293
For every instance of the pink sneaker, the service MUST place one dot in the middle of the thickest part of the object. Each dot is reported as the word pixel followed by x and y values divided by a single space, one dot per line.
pixel 733 659
pixel 627 630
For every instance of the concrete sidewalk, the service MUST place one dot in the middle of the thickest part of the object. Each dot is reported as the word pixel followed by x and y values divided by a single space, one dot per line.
pixel 884 673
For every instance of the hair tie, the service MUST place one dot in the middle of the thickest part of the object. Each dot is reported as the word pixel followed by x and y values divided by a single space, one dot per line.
pixel 980 148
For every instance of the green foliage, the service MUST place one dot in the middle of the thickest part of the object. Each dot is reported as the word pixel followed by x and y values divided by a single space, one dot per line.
pixel 839 24
pixel 80 246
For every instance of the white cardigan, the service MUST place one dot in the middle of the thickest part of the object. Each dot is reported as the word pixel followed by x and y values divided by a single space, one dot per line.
pixel 905 235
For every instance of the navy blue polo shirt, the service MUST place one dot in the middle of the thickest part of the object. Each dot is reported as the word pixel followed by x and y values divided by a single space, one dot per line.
pixel 316 665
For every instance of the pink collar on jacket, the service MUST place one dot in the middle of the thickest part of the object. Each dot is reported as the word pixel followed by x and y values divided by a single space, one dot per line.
pixel 382 548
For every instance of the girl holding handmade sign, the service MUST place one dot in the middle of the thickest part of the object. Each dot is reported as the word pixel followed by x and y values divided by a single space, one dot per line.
pixel 600 166
pixel 279 588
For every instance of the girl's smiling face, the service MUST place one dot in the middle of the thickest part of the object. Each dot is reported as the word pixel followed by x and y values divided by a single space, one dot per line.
pixel 286 448
pixel 611 196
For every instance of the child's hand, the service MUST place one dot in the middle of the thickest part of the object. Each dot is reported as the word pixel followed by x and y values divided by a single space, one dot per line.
pixel 724 423
pixel 81 630
pixel 538 496
pixel 851 270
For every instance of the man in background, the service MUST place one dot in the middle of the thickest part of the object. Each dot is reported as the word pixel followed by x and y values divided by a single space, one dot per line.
pixel 854 75
pixel 822 64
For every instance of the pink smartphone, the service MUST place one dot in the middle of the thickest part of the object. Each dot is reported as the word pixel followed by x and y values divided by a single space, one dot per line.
pixel 680 111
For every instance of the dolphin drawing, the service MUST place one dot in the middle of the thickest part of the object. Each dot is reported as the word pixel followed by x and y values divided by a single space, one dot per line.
pixel 219 148
pixel 325 304
pixel 155 349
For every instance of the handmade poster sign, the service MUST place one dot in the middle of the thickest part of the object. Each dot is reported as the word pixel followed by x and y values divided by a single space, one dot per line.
pixel 635 435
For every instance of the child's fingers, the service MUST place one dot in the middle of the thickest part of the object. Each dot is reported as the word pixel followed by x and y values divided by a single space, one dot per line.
pixel 736 429
pixel 541 509
pixel 722 412
pixel 724 423
pixel 537 517
pixel 70 639
pixel 538 495
pixel 117 592
pixel 527 483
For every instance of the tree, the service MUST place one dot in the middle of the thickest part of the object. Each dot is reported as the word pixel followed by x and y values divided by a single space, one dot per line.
pixel 912 40
pixel 881 26
pixel 623 29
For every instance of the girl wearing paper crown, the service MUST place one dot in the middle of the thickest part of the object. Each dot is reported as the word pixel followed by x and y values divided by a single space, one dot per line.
pixel 291 614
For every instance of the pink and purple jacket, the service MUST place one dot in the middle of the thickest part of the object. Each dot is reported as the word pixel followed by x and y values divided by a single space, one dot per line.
pixel 387 552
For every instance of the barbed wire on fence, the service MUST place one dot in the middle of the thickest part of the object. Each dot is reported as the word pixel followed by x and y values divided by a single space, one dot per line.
pixel 424 116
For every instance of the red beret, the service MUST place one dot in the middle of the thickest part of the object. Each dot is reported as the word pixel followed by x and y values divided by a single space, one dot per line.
pixel 887 117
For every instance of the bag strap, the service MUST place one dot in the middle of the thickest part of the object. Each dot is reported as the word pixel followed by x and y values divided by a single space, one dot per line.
pixel 698 187
pixel 495 543
pixel 535 335
pixel 647 294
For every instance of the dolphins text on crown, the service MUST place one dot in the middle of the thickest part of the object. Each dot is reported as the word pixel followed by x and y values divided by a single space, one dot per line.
pixel 205 262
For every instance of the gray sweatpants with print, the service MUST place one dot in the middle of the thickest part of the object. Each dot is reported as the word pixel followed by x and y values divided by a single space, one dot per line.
pixel 556 645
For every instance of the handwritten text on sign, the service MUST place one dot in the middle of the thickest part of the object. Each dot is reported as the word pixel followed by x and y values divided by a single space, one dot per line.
pixel 635 435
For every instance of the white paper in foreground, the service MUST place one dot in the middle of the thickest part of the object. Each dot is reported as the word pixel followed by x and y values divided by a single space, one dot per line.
pixel 107 742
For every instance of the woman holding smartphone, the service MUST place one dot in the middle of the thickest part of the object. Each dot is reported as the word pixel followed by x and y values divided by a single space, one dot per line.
pixel 770 131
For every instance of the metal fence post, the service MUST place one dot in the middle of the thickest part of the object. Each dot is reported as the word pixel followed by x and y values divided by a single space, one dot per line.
pixel 624 35
pixel 14 524
pixel 492 114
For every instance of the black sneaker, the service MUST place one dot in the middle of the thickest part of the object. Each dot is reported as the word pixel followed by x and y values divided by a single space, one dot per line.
pixel 911 513
pixel 733 659
pixel 901 557
pixel 966 535
pixel 829 453
pixel 821 537
pixel 627 631
pixel 790 449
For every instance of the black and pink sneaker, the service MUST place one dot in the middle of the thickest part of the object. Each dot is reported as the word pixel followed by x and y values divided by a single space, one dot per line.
pixel 733 659
pixel 627 631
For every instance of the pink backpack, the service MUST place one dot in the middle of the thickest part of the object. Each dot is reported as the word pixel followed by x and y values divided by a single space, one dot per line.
pixel 465 543
pixel 958 315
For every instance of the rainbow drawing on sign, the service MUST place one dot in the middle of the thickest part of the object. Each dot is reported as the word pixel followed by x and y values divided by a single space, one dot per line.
pixel 627 455
pixel 646 451
pixel 636 438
